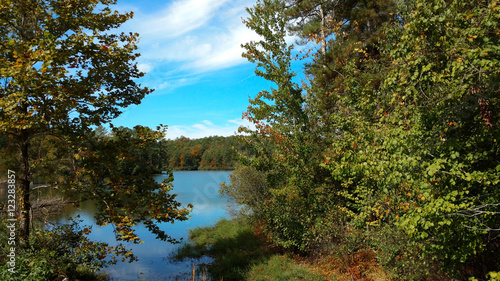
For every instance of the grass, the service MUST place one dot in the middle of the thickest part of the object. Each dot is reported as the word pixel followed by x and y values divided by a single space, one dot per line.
pixel 241 253
pixel 281 268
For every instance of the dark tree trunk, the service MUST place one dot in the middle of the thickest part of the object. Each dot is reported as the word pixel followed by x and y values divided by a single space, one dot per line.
pixel 24 189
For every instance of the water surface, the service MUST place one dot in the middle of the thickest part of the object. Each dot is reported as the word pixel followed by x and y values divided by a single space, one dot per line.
pixel 200 188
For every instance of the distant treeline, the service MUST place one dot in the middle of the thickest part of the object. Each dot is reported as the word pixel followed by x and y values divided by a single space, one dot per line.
pixel 209 153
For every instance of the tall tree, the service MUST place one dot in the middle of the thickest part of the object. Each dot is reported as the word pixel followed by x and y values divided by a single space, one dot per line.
pixel 401 104
pixel 286 144
pixel 61 71
pixel 312 18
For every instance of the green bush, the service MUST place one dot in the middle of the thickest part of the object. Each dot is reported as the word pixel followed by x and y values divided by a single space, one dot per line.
pixel 62 252
pixel 247 187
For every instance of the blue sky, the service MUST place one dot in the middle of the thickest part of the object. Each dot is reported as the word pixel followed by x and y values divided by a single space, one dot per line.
pixel 191 52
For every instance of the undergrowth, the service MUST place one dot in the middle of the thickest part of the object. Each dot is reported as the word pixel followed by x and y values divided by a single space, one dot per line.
pixel 241 253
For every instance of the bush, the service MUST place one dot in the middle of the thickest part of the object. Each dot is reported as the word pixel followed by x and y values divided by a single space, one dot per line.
pixel 247 187
pixel 63 252
pixel 400 256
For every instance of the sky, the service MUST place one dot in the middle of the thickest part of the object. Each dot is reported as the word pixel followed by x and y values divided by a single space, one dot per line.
pixel 191 52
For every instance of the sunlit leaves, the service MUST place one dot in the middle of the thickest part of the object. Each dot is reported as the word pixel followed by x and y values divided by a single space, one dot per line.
pixel 59 70
pixel 62 70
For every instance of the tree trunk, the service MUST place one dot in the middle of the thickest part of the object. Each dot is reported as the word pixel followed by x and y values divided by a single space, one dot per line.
pixel 24 188
pixel 27 27
pixel 323 36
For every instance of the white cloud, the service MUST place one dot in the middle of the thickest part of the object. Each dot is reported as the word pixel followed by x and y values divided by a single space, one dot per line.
pixel 145 67
pixel 189 37
pixel 225 50
pixel 180 17
pixel 167 81
pixel 206 128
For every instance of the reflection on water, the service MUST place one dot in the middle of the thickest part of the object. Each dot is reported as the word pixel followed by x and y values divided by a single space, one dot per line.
pixel 200 188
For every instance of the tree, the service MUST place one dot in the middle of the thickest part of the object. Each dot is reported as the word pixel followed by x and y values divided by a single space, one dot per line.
pixel 311 18
pixel 61 72
pixel 446 95
pixel 286 144
pixel 400 105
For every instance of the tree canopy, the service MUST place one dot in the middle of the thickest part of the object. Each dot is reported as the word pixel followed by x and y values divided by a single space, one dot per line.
pixel 64 69
pixel 394 129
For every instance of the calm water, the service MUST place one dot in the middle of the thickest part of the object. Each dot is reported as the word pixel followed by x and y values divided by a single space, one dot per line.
pixel 199 188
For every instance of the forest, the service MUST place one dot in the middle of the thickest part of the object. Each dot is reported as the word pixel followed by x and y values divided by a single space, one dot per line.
pixel 382 148
pixel 208 153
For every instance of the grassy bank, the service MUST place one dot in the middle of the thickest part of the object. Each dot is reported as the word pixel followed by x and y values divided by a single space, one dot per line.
pixel 241 252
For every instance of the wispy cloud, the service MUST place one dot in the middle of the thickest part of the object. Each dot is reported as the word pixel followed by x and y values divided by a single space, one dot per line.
pixel 206 128
pixel 187 37
pixel 180 17
pixel 225 50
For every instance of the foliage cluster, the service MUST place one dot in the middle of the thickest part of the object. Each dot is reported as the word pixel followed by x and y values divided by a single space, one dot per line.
pixel 394 128
pixel 247 187
pixel 112 170
pixel 63 252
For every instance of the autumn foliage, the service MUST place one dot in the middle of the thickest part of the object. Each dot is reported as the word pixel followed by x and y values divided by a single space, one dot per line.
pixel 387 139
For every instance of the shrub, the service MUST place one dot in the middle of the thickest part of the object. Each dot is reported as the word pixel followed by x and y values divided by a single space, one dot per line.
pixel 62 252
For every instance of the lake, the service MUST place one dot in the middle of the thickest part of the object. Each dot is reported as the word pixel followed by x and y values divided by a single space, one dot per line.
pixel 200 188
